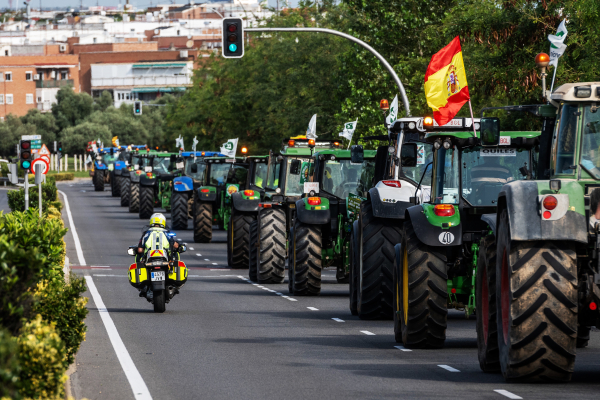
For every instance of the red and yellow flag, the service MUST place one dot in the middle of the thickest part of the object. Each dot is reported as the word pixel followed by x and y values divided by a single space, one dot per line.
pixel 446 86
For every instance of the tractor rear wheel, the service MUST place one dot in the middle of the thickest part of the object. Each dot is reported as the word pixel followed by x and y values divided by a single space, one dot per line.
pixel 146 201
pixel 376 257
pixel 271 253
pixel 115 184
pixel 536 301
pixel 124 191
pixel 238 234
pixel 485 302
pixel 202 221
pixel 99 180
pixel 134 197
pixel 253 252
pixel 179 210
pixel 422 298
pixel 353 287
pixel 306 259
pixel 583 336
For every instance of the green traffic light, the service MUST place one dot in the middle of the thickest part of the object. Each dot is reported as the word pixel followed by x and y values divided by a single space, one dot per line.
pixel 233 47
pixel 25 164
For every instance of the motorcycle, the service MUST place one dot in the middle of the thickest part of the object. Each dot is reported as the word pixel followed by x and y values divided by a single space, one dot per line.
pixel 158 275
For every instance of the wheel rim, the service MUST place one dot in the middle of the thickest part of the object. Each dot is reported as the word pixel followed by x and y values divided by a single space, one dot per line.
pixel 405 284
pixel 484 304
pixel 505 297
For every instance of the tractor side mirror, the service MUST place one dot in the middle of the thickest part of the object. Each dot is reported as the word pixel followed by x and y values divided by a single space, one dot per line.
pixel 490 131
pixel 357 154
pixel 409 155
pixel 295 167
pixel 194 168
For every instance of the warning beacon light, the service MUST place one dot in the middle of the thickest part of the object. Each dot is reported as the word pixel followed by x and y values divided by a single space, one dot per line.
pixel 384 105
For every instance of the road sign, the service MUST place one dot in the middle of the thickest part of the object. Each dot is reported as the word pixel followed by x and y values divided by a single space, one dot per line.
pixel 47 158
pixel 31 137
pixel 44 151
pixel 44 163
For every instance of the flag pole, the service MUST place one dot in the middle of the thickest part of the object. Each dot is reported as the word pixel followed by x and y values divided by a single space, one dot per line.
pixel 472 119
pixel 554 76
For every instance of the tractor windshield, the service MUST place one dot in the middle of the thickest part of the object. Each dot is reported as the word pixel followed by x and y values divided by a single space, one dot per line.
pixel 218 174
pixel 341 177
pixel 109 158
pixel 294 183
pixel 424 157
pixel 161 165
pixel 260 174
pixel 590 147
pixel 201 167
pixel 274 169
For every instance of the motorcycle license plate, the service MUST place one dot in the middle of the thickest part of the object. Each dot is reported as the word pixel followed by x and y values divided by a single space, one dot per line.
pixel 157 276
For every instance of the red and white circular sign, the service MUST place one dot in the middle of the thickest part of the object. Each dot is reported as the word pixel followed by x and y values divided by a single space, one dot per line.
pixel 45 165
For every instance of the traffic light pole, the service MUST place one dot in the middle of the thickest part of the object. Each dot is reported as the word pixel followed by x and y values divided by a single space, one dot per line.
pixel 352 39
pixel 26 187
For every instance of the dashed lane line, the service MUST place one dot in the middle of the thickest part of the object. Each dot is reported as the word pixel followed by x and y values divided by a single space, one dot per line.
pixel 138 386
pixel 313 308
pixel 338 320
pixel 402 348
pixel 206 259
pixel 264 288
pixel 448 368
pixel 215 264
pixel 368 333
pixel 199 255
pixel 73 230
pixel 507 394
pixel 191 248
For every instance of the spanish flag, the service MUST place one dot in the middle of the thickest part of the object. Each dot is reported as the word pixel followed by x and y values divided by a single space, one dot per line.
pixel 446 86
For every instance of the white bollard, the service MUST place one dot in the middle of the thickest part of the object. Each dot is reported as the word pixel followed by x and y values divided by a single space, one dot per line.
pixel 66 162
pixel 60 161
pixel 84 165
pixel 80 162
pixel 75 162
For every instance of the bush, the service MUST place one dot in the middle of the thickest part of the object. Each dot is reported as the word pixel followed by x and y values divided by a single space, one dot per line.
pixel 9 366
pixel 16 198
pixel 42 361
pixel 63 176
pixel 63 305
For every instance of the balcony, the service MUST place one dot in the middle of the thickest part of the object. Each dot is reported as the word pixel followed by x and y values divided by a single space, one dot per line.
pixel 51 84
pixel 44 107
pixel 173 80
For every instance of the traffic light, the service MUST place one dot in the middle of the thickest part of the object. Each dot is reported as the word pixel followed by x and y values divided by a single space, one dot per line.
pixel 233 38
pixel 59 149
pixel 137 108
pixel 25 158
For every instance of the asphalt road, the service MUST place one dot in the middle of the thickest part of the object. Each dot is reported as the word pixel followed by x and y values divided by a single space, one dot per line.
pixel 225 338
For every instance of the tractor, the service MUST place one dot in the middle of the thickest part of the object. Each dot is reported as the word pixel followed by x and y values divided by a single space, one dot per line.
pixel 155 184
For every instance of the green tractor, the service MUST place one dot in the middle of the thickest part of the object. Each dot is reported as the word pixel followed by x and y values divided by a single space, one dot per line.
pixel 156 184
pixel 544 292
pixel 212 201
pixel 324 216
pixel 287 172
pixel 446 238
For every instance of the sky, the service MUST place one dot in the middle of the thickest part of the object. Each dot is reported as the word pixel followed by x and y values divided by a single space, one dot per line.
pixel 136 3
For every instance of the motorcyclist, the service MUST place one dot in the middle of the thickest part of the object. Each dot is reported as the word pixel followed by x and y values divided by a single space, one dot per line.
pixel 156 238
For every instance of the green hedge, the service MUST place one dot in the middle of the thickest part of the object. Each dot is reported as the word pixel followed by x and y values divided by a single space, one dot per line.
pixel 9 365
pixel 62 176
pixel 16 198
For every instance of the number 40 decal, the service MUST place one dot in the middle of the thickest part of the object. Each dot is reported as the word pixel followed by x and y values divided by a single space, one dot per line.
pixel 446 238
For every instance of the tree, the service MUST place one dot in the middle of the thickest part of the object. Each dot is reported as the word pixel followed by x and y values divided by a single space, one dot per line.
pixel 71 108
pixel 44 122
pixel 104 101
pixel 75 138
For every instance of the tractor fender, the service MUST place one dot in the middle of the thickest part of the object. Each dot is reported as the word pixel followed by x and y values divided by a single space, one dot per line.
pixel 430 234
pixel 125 172
pixel 145 181
pixel 211 195
pixel 522 200
pixel 490 219
pixel 391 202
pixel 119 165
pixel 242 204
pixel 183 184
pixel 99 165
pixel 135 178
pixel 314 217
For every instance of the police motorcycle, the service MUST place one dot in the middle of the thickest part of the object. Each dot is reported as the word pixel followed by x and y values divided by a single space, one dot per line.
pixel 159 274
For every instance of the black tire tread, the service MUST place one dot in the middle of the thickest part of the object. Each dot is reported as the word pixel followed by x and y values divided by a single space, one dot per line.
pixel 179 210
pixel 134 197
pixel 307 259
pixel 486 275
pixel 253 252
pixel 272 251
pixel 240 229
pixel 146 202
pixel 202 221
pixel 124 191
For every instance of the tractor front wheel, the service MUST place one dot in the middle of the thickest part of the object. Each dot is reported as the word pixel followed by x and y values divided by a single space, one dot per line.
pixel 99 180
pixel 146 201
pixel 124 191
pixel 179 210
pixel 253 252
pixel 238 239
pixel 353 287
pixel 134 197
pixel 202 221
pixel 306 259
pixel 271 253
pixel 115 185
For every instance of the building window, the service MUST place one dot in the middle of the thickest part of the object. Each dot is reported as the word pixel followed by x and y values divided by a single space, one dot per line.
pixel 8 76
pixel 29 99
pixel 1 99
pixel 39 99
pixel 9 99
pixel 28 76
pixel 95 40
pixel 5 52
pixel 178 32
pixel 63 75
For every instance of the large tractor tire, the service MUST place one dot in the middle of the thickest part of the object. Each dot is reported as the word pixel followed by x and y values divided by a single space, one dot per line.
pixel 253 252
pixel 146 201
pixel 159 300
pixel 485 303
pixel 115 185
pixel 536 300
pixel 125 192
pixel 422 295
pixel 375 289
pixel 353 287
pixel 583 336
pixel 271 253
pixel 202 221
pixel 134 197
pixel 238 239
pixel 179 210
pixel 305 268
pixel 99 180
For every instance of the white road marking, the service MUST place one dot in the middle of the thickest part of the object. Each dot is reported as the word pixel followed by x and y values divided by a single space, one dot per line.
pixel 289 298
pixel 206 259
pixel 338 320
pixel 448 368
pixel 191 248
pixel 138 386
pixel 402 348
pixel 215 264
pixel 264 288
pixel 99 266
pixel 507 394
pixel 107 275
pixel 73 230
pixel 199 255
pixel 219 269
pixel 310 308
pixel 368 333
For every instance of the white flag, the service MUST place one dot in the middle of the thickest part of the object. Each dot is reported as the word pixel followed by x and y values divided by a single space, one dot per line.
pixel 557 43
pixel 311 132
pixel 194 143
pixel 179 143
pixel 349 129
pixel 393 114
pixel 229 148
